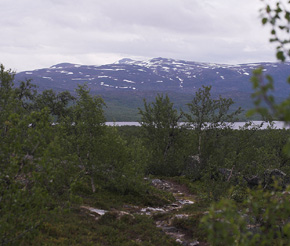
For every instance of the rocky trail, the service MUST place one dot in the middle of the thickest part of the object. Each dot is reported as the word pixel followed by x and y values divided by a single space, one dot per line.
pixel 183 198
pixel 165 216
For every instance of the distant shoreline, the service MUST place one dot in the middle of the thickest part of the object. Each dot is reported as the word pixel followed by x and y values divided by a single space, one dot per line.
pixel 236 125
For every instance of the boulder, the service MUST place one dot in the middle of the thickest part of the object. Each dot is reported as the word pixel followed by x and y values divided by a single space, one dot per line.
pixel 272 175
pixel 193 166
pixel 253 181
pixel 160 184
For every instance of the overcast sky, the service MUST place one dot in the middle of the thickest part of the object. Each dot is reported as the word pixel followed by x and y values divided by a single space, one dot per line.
pixel 37 34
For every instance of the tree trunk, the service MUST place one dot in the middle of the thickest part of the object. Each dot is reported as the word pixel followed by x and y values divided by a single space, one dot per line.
pixel 93 185
pixel 199 145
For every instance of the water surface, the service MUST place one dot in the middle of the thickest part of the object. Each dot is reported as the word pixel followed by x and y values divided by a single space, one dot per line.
pixel 236 125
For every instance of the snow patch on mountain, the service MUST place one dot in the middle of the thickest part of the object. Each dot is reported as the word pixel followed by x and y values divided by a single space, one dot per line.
pixel 156 74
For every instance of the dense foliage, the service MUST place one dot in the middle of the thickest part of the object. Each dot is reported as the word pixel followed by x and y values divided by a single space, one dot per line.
pixel 163 137
pixel 263 219
pixel 56 153
pixel 52 146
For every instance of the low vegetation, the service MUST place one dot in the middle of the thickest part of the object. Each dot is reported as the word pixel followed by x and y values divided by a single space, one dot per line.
pixel 57 156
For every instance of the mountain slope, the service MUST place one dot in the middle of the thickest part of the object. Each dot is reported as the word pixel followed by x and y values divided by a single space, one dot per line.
pixel 123 84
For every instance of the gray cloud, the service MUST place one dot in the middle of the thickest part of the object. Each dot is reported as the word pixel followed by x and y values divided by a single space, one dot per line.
pixel 36 34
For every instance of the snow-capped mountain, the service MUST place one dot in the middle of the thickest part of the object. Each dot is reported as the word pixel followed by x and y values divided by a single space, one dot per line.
pixel 125 83
pixel 157 74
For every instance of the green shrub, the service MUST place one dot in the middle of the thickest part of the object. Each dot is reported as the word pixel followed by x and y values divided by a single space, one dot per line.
pixel 262 220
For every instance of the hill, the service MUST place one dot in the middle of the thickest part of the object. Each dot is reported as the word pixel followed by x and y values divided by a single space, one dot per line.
pixel 124 84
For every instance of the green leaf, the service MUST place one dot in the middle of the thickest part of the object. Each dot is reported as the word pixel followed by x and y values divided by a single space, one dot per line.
pixel 264 20
pixel 280 56
pixel 251 112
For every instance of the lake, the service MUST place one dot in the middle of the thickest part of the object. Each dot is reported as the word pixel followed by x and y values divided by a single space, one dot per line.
pixel 236 126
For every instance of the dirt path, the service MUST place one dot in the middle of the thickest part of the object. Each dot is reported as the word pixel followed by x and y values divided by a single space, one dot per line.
pixel 183 197
pixel 165 216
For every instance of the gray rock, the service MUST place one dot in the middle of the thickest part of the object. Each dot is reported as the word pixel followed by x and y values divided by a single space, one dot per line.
pixel 169 229
pixel 195 243
pixel 193 166
pixel 253 181
pixel 156 182
pixel 272 175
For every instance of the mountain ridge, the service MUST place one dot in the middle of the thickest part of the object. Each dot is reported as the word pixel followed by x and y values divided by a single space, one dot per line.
pixel 127 78
pixel 157 74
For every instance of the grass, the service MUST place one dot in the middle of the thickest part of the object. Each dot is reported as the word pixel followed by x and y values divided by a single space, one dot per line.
pixel 75 226
pixel 78 228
